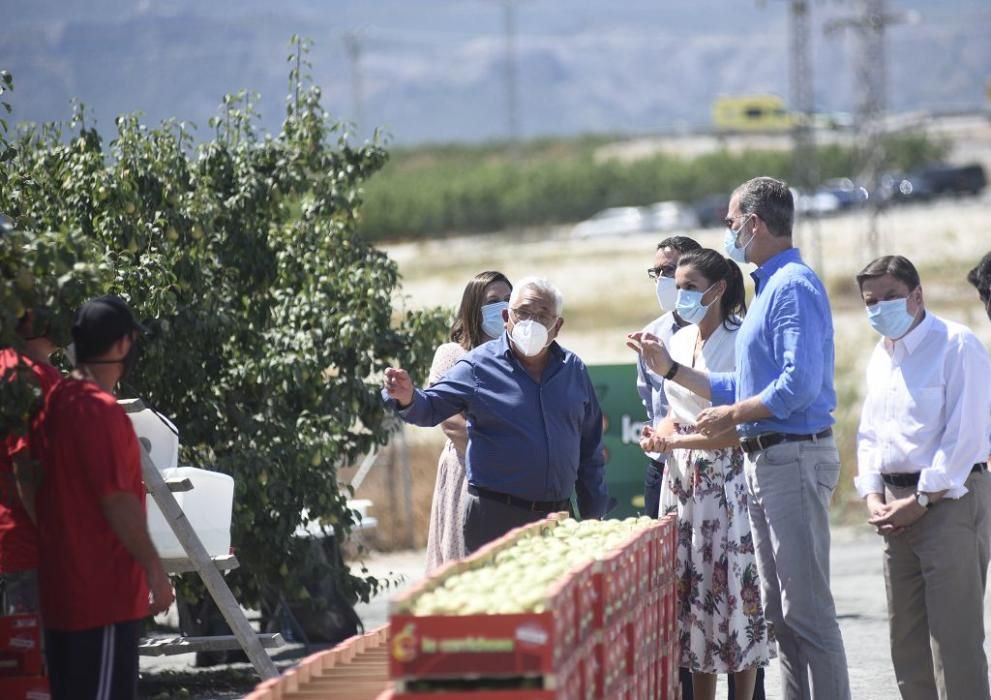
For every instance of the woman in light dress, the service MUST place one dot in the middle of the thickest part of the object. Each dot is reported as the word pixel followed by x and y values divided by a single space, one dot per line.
pixel 479 320
pixel 721 620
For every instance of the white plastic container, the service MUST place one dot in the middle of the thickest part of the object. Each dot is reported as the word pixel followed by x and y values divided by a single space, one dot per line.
pixel 156 432
pixel 207 507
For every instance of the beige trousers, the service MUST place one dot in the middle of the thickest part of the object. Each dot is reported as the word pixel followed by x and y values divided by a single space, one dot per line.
pixel 935 573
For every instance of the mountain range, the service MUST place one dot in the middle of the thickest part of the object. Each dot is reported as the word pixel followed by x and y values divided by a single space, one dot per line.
pixel 436 70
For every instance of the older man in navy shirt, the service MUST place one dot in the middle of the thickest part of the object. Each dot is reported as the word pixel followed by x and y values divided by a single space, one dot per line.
pixel 780 399
pixel 534 423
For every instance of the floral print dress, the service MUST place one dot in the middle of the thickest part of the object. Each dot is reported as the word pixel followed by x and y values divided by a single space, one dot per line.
pixel 720 617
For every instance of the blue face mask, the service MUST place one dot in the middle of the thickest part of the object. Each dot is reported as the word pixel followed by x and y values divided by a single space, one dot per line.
pixel 492 323
pixel 734 252
pixel 890 318
pixel 689 305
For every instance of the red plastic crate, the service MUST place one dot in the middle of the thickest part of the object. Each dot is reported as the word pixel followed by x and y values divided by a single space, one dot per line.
pixel 615 667
pixel 588 600
pixel 481 645
pixel 591 667
pixel 452 646
pixel 24 688
pixel 644 563
pixel 20 646
pixel 482 695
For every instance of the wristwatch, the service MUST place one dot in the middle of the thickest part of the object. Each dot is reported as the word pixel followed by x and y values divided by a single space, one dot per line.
pixel 923 499
pixel 673 371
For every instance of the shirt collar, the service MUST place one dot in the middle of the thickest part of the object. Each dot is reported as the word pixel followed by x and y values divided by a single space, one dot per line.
pixel 763 273
pixel 911 340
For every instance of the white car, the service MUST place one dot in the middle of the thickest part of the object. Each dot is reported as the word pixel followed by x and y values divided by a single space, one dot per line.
pixel 820 203
pixel 670 216
pixel 615 221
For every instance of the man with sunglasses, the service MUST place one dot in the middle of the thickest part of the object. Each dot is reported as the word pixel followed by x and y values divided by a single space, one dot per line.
pixel 534 423
pixel 650 385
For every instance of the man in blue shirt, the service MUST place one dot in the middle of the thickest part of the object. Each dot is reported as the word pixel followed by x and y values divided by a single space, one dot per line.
pixel 534 423
pixel 780 399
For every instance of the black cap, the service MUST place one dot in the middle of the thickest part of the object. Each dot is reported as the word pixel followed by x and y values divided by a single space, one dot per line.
pixel 100 323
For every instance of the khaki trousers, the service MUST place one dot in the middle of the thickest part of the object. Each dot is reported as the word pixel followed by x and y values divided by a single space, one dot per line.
pixel 935 573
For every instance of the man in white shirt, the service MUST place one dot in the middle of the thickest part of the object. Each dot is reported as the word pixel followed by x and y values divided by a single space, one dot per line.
pixel 921 451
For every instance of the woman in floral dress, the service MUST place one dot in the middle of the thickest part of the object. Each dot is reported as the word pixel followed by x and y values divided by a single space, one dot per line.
pixel 479 320
pixel 721 620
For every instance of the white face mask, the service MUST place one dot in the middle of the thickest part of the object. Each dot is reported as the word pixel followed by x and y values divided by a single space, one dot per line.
pixel 690 306
pixel 492 323
pixel 667 293
pixel 530 337
pixel 733 251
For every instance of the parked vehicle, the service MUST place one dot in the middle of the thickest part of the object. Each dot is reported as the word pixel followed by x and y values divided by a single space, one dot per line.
pixel 846 191
pixel 615 221
pixel 669 216
pixel 711 210
pixel 818 203
pixel 954 179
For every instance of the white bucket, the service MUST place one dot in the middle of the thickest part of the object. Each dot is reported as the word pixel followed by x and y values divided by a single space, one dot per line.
pixel 156 432
pixel 207 507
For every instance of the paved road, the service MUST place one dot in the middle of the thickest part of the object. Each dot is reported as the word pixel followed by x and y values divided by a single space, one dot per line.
pixel 858 588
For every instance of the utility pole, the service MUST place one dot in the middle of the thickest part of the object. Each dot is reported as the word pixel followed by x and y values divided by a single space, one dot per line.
pixel 512 96
pixel 869 25
pixel 353 47
pixel 801 83
pixel 805 170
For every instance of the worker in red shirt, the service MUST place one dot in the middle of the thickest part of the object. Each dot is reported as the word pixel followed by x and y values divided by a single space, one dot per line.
pixel 97 563
pixel 18 472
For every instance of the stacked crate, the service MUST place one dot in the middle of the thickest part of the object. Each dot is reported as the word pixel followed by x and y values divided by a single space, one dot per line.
pixel 356 669
pixel 21 663
pixel 606 630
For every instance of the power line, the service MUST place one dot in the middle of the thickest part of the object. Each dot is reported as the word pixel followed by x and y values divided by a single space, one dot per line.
pixel 801 83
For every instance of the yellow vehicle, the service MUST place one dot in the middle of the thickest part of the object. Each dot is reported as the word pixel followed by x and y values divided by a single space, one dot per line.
pixel 751 113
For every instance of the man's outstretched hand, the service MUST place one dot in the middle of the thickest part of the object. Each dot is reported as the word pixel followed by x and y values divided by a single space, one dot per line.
pixel 399 386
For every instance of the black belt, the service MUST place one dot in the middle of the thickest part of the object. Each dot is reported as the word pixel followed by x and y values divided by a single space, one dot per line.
pixel 762 442
pixel 906 480
pixel 541 506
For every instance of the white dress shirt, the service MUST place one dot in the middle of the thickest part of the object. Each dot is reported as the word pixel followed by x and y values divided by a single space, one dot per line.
pixel 927 409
